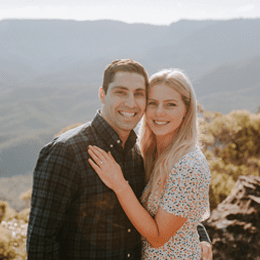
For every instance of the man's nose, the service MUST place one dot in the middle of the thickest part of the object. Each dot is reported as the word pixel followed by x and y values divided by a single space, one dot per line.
pixel 130 102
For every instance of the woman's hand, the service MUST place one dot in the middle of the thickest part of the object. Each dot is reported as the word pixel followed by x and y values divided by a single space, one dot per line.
pixel 107 168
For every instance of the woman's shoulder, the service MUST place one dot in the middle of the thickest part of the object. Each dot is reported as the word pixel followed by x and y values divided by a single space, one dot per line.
pixel 193 155
pixel 193 160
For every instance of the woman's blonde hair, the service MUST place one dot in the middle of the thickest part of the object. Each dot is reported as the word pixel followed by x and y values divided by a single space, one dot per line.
pixel 183 141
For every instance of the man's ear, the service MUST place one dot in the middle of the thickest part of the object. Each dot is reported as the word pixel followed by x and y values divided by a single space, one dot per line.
pixel 101 94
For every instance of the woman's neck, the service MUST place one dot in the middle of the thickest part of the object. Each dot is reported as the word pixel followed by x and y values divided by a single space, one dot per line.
pixel 162 143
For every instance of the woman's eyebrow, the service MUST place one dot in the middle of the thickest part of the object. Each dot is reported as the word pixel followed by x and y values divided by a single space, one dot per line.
pixel 175 100
pixel 167 100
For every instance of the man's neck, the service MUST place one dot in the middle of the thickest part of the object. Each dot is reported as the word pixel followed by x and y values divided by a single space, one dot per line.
pixel 124 137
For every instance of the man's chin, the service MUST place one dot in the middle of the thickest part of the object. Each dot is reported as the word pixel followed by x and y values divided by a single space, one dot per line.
pixel 128 126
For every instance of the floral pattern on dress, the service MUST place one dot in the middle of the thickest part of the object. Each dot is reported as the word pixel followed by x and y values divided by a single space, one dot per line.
pixel 185 194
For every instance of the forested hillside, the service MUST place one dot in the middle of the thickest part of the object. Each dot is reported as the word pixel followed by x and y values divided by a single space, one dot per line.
pixel 50 72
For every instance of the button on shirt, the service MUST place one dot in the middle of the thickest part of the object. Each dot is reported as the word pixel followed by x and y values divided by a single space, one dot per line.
pixel 73 214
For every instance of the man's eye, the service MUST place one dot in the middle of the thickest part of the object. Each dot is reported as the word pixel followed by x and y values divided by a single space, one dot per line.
pixel 171 105
pixel 140 94
pixel 152 103
pixel 120 92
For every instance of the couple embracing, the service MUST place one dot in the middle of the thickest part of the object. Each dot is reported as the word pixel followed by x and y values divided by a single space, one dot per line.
pixel 101 193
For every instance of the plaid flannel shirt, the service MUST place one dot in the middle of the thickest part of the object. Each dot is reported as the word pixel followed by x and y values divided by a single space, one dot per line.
pixel 73 214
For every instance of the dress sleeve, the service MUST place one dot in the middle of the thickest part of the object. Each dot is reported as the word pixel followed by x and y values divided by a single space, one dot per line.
pixel 186 189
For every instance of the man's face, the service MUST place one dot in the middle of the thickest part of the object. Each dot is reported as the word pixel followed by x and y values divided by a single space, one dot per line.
pixel 125 101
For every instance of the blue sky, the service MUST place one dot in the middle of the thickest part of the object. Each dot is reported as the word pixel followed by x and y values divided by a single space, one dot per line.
pixel 130 11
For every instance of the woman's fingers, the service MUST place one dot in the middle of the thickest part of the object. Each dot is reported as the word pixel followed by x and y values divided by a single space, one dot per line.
pixel 97 155
pixel 96 158
pixel 100 173
pixel 100 156
pixel 98 150
pixel 111 174
pixel 95 167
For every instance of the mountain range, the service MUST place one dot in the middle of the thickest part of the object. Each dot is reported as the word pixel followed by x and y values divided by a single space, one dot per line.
pixel 50 72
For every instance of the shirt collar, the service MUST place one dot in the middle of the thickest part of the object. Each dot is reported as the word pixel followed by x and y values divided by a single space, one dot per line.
pixel 108 134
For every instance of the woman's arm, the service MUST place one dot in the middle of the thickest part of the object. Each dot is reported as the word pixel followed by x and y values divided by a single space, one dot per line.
pixel 157 231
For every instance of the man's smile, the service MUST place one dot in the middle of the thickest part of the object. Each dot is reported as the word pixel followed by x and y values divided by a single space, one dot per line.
pixel 127 114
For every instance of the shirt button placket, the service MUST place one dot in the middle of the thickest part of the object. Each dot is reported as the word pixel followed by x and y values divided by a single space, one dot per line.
pixel 128 255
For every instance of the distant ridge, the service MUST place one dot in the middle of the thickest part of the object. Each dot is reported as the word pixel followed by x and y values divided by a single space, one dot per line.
pixel 235 86
pixel 50 72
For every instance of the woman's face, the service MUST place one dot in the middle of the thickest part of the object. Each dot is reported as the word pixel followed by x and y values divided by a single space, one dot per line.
pixel 165 110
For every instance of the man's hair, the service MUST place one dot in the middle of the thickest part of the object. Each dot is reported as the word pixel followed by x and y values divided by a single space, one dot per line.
pixel 124 65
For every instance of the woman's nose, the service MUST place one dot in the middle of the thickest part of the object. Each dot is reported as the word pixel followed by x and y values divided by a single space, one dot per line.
pixel 160 110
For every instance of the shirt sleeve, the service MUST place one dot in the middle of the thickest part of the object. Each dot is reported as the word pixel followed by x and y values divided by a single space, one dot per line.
pixel 186 189
pixel 54 183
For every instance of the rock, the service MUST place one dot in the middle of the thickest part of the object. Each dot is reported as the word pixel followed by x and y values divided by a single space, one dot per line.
pixel 234 226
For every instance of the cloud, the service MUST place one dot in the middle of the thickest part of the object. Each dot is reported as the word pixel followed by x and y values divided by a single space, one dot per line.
pixel 245 8
pixel 49 12
pixel 81 13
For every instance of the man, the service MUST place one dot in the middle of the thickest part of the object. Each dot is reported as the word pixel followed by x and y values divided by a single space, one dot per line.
pixel 73 214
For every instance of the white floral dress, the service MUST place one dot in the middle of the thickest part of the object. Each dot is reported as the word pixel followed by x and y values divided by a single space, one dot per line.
pixel 186 194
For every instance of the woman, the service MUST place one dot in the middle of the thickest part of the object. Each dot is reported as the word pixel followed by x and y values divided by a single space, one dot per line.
pixel 176 196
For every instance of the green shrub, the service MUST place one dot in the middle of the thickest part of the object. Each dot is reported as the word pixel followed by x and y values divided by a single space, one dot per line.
pixel 23 215
pixel 7 251
pixel 231 144
pixel 3 207
pixel 26 197
pixel 6 213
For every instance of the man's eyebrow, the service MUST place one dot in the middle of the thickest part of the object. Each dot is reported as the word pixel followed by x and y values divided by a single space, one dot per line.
pixel 120 87
pixel 125 88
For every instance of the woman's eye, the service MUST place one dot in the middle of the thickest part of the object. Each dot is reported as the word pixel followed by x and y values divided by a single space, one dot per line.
pixel 152 103
pixel 171 105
